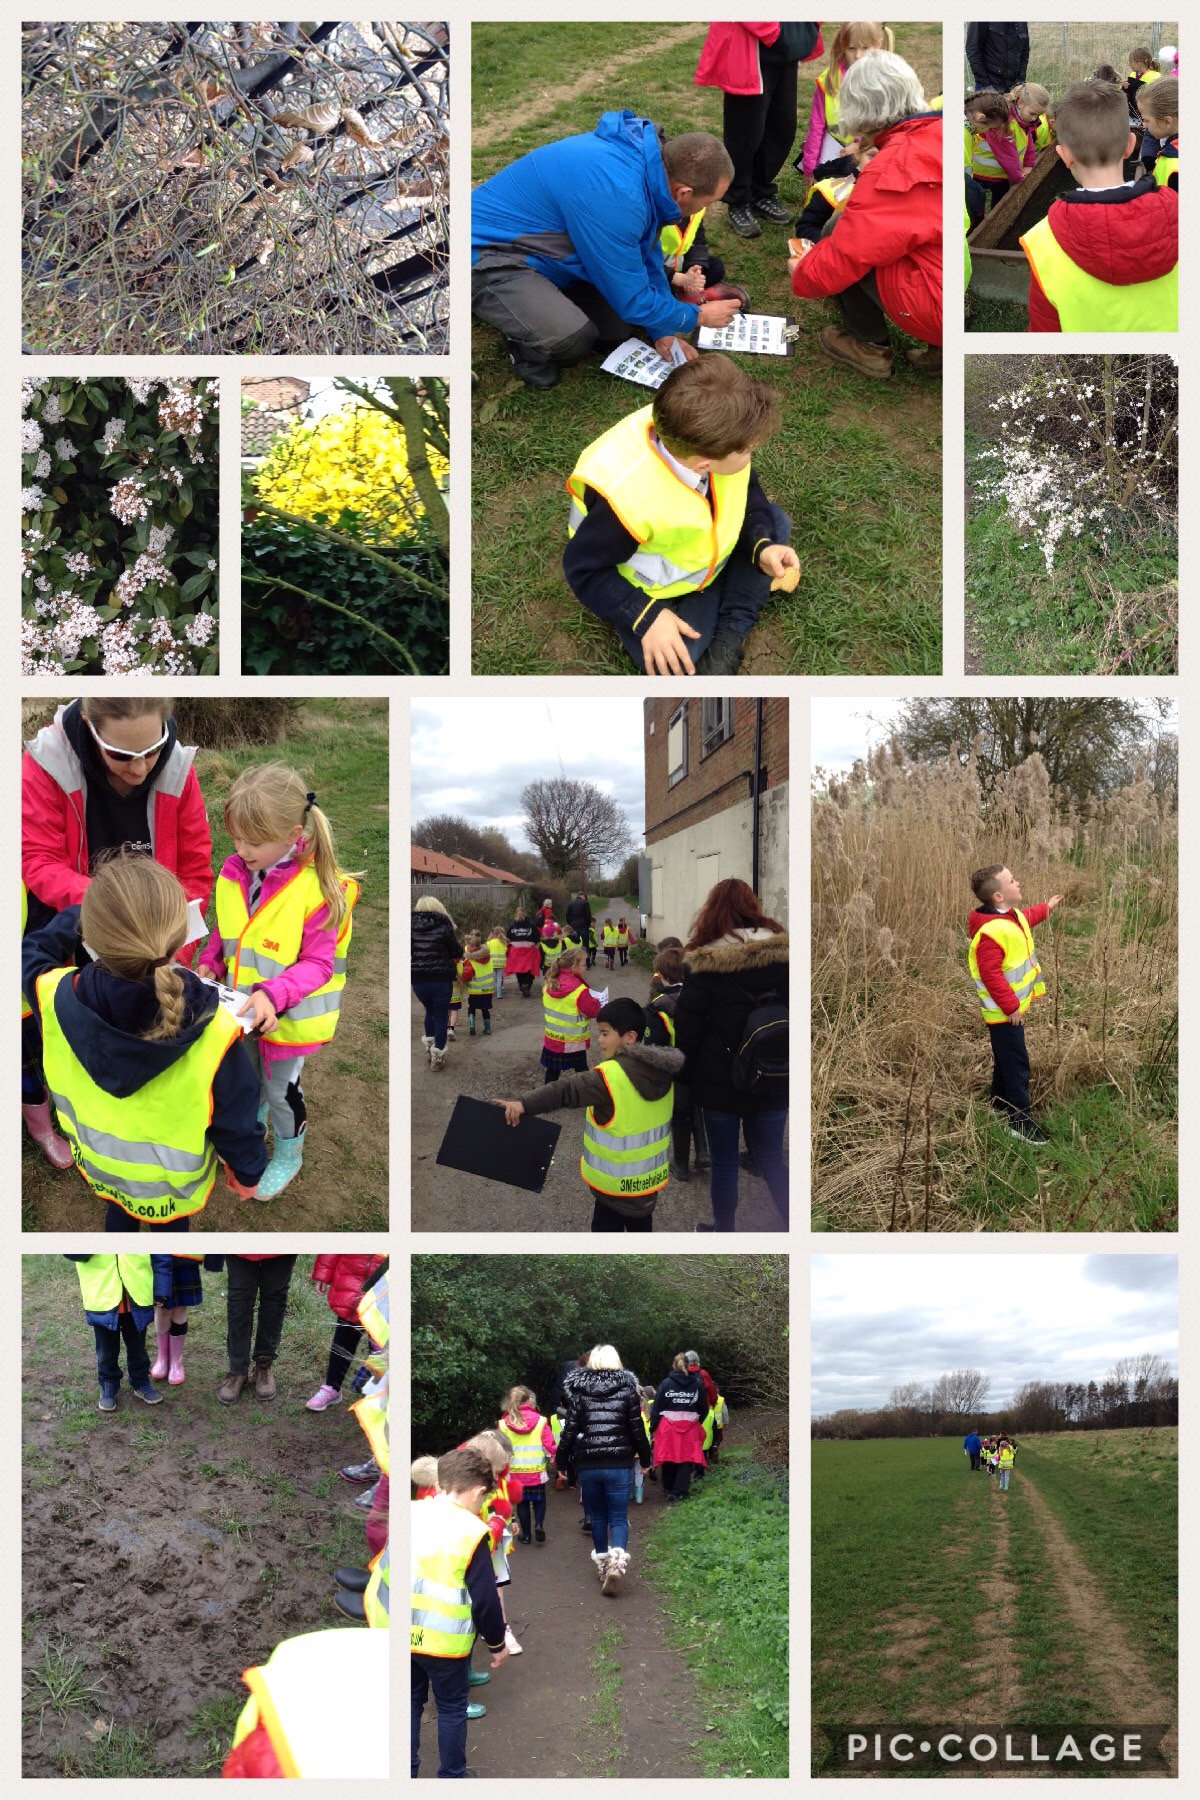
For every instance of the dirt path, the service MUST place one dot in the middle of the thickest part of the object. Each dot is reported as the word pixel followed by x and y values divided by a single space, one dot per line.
pixel 545 99
pixel 544 1716
pixel 1118 1676
pixel 507 1064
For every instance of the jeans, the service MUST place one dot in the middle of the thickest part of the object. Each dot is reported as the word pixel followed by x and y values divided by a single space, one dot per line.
pixel 728 607
pixel 266 1281
pixel 117 1219
pixel 108 1354
pixel 606 1503
pixel 435 998
pixel 1004 1475
pixel 447 1676
pixel 764 1140
pixel 533 1498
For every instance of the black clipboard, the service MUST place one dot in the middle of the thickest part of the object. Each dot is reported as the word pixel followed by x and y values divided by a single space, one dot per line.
pixel 479 1142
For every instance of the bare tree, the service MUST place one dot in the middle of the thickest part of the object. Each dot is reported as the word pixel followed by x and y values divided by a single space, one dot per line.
pixel 574 823
pixel 962 1390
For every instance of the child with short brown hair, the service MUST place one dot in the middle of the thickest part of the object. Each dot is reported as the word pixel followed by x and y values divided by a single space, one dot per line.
pixel 672 540
pixel 1008 978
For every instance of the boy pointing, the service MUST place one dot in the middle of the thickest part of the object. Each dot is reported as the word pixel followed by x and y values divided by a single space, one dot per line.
pixel 1008 978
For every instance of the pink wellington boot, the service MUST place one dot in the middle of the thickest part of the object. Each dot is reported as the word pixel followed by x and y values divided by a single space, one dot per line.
pixel 54 1148
pixel 161 1363
pixel 175 1353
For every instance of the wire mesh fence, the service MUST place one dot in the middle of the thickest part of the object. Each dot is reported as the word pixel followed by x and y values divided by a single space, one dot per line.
pixel 266 188
pixel 1074 49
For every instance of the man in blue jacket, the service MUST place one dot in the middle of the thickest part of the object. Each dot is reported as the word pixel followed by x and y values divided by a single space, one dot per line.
pixel 565 252
pixel 972 1444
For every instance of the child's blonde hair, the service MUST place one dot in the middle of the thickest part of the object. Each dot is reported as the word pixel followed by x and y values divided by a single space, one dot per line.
pixel 855 34
pixel 1033 94
pixel 423 1472
pixel 1140 58
pixel 575 958
pixel 134 920
pixel 270 801
pixel 495 1446
pixel 512 1403
pixel 1160 100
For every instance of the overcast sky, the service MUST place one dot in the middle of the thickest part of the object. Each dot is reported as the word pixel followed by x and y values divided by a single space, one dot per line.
pixel 843 730
pixel 878 1321
pixel 473 757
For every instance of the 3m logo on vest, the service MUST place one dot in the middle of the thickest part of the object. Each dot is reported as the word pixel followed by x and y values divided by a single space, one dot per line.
pixel 268 945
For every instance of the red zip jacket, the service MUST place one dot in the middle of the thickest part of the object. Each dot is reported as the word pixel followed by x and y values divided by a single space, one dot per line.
pixel 990 956
pixel 892 223
pixel 1119 235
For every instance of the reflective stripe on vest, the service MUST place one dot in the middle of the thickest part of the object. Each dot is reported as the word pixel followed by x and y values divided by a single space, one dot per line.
pixel 629 1155
pixel 264 945
pixel 528 1451
pixel 167 1171
pixel 1085 304
pixel 498 951
pixel 444 1539
pixel 683 538
pixel 564 1020
pixel 984 161
pixel 676 243
pixel 610 936
pixel 1020 967
pixel 481 978
pixel 377 1597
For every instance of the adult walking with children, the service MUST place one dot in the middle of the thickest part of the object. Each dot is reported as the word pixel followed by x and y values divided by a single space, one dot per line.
pixel 435 953
pixel 602 1437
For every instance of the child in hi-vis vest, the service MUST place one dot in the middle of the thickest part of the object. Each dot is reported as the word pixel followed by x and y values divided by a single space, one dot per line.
pixel 281 938
pixel 118 1294
pixel 147 1072
pixel 1008 978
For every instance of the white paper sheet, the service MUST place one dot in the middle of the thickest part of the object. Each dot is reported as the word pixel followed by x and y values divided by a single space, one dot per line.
pixel 756 334
pixel 635 361
pixel 602 996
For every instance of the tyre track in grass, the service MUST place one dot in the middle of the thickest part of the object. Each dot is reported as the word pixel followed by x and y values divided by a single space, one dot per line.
pixel 1118 1674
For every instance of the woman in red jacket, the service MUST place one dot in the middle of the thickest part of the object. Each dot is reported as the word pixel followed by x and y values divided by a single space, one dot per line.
pixel 882 258
pixel 108 775
pixel 341 1279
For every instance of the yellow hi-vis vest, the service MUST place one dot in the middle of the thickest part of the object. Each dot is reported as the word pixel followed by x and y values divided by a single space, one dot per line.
pixel 630 1154
pixel 609 933
pixel 528 1451
pixel 984 161
pixel 287 1698
pixel 556 1426
pixel 377 1596
pixel 264 944
pixel 1006 1456
pixel 721 1413
pixel 833 107
pixel 374 1310
pixel 102 1279
pixel 498 951
pixel 481 964
pixel 564 1020
pixel 1043 133
pixel 708 1423
pixel 1166 165
pixel 150 1153
pixel 622 935
pixel 1020 969
pixel 1085 304
pixel 676 240
pixel 26 1009
pixel 443 1541
pixel 683 538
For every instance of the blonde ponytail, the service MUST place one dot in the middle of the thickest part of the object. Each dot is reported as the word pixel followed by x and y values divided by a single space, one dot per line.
pixel 270 802
pixel 134 920
pixel 513 1401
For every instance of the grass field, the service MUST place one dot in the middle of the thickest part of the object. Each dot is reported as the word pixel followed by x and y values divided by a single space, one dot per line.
pixel 340 747
pixel 167 1549
pixel 857 465
pixel 1050 1605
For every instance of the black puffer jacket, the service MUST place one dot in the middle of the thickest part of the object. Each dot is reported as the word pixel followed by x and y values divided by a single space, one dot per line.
pixel 722 984
pixel 435 948
pixel 603 1427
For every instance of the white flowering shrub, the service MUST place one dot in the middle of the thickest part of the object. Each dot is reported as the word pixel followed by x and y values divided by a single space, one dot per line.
pixel 119 525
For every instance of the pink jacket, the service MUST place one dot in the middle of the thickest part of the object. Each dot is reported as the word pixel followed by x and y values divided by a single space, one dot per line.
pixel 533 1477
pixel 54 852
pixel 729 57
pixel 815 135
pixel 311 970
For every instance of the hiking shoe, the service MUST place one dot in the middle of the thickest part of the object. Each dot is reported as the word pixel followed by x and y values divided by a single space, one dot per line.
pixel 927 358
pixel 230 1388
pixel 773 209
pixel 324 1396
pixel 1030 1131
pixel 872 360
pixel 148 1392
pixel 363 1471
pixel 108 1400
pixel 743 221
pixel 264 1380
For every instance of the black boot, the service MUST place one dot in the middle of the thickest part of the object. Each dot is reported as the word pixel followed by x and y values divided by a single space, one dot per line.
pixel 534 371
pixel 723 657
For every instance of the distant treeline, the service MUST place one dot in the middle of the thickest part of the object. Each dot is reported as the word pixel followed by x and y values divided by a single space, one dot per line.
pixel 1137 1391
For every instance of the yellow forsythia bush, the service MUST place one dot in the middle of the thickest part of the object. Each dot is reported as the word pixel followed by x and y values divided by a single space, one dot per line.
pixel 353 460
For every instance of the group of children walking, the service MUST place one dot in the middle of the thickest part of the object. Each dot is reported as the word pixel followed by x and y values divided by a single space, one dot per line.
pixel 158 1082
pixel 559 949
pixel 1105 257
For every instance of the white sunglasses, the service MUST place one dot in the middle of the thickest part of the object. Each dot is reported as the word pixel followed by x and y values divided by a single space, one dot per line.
pixel 128 756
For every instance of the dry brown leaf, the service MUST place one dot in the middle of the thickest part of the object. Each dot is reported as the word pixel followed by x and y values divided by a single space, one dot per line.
pixel 300 154
pixel 310 118
pixel 356 127
pixel 211 90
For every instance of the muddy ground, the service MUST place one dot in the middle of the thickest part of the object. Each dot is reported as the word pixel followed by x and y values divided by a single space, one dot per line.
pixel 506 1064
pixel 169 1548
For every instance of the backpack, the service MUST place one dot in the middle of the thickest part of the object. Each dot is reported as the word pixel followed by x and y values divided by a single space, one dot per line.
pixel 759 1062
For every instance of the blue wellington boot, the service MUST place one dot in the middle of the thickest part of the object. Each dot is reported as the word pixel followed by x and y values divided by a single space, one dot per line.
pixel 283 1167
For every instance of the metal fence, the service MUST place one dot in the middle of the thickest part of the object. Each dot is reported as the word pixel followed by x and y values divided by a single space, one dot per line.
pixel 1072 50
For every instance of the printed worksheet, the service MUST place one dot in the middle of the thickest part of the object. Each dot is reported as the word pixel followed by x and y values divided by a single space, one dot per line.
pixel 637 361
pixel 758 334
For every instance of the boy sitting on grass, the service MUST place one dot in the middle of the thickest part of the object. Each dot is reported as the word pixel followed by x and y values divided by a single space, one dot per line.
pixel 1105 256
pixel 627 1133
pixel 671 538
pixel 1008 978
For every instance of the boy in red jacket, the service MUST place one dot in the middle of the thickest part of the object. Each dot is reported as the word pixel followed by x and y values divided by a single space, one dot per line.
pixel 1105 257
pixel 1007 977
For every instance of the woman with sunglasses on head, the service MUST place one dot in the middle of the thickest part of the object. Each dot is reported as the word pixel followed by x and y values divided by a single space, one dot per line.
pixel 108 775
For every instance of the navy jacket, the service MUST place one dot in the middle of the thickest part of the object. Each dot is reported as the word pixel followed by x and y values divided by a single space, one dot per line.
pixel 160 1268
pixel 101 1015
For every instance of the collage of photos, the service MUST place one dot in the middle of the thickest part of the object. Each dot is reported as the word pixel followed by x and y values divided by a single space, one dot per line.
pixel 547 539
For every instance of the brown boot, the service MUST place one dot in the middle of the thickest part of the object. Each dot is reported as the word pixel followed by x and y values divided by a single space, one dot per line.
pixel 230 1388
pixel 264 1381
pixel 841 346
pixel 925 357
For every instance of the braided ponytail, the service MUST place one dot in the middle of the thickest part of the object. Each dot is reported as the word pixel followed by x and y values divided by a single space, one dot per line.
pixel 134 918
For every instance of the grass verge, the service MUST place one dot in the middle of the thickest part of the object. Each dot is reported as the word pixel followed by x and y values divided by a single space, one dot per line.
pixel 602 1741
